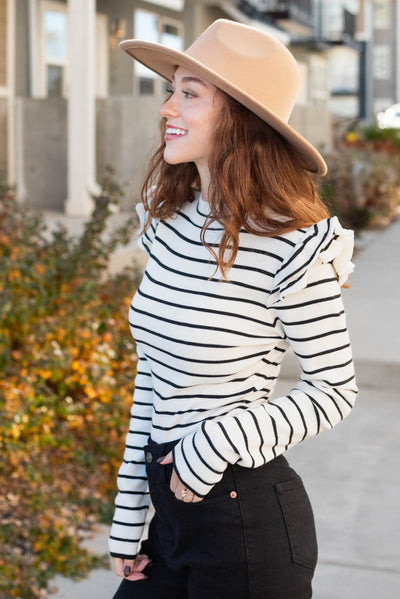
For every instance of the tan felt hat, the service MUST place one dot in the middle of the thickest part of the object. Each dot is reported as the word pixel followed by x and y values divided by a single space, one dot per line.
pixel 249 65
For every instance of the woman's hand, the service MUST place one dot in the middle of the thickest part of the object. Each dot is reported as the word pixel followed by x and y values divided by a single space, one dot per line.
pixel 131 569
pixel 177 486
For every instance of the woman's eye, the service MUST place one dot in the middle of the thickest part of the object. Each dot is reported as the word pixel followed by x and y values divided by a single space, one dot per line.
pixel 189 94
pixel 169 90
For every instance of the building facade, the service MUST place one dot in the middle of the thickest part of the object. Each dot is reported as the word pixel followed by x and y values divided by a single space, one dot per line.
pixel 72 104
pixel 385 36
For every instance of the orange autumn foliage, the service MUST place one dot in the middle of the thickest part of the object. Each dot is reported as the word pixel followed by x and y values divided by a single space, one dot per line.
pixel 67 366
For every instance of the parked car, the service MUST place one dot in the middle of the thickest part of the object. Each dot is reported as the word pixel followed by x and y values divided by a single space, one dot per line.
pixel 390 118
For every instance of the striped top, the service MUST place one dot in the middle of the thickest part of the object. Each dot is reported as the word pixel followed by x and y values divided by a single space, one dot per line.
pixel 210 352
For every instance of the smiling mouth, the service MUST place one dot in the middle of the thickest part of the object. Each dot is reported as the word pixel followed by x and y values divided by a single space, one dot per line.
pixel 174 132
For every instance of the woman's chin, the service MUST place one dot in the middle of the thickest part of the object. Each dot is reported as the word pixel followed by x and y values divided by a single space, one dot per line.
pixel 173 160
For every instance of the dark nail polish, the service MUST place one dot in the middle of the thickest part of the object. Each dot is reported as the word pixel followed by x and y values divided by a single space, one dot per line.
pixel 127 570
pixel 160 459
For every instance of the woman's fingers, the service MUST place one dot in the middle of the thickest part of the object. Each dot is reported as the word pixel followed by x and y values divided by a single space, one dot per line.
pixel 131 569
pixel 180 491
pixel 141 562
pixel 176 485
pixel 196 499
pixel 174 482
pixel 168 459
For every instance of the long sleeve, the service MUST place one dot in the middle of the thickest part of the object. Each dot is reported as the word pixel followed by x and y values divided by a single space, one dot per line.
pixel 309 314
pixel 132 501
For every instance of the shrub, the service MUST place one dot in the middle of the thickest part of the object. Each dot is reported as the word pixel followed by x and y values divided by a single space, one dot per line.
pixel 374 138
pixel 67 365
pixel 362 187
pixel 383 139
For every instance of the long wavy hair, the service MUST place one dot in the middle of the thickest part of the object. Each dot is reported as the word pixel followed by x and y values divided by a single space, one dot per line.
pixel 259 183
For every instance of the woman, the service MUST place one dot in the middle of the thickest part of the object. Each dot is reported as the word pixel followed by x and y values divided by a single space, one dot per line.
pixel 243 263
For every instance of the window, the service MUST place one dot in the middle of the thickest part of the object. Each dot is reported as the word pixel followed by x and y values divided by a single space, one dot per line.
pixel 343 70
pixel 318 78
pixel 333 19
pixel 146 28
pixel 382 62
pixel 49 48
pixel 382 14
pixel 154 28
pixel 55 45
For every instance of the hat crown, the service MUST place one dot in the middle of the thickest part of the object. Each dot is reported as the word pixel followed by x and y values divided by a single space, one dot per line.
pixel 252 61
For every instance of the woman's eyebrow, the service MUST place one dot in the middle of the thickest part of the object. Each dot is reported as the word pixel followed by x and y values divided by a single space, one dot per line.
pixel 191 80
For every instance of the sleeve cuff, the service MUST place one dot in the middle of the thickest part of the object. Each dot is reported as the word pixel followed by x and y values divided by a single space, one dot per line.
pixel 198 463
pixel 122 556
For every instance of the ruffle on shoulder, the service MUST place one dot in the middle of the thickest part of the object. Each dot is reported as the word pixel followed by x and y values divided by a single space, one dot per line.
pixel 142 214
pixel 326 241
pixel 145 240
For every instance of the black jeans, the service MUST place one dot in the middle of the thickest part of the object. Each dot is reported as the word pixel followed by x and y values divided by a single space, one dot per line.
pixel 252 537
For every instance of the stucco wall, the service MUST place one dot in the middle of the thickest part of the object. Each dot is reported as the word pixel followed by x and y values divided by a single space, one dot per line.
pixel 314 123
pixel 3 135
pixel 22 51
pixel 386 88
pixel 127 132
pixel 3 42
pixel 41 139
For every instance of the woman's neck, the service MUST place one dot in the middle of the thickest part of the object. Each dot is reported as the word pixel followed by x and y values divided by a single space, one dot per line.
pixel 204 174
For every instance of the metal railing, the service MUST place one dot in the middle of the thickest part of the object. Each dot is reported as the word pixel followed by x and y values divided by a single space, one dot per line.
pixel 296 10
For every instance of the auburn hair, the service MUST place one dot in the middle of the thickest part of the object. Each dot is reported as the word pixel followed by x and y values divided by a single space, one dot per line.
pixel 259 183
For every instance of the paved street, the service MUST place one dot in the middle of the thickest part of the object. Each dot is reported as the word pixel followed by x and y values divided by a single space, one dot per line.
pixel 351 473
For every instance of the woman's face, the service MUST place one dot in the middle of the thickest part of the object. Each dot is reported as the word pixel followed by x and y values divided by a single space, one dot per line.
pixel 191 115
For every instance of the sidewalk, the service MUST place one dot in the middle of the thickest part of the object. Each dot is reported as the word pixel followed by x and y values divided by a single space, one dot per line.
pixel 373 309
pixel 350 471
pixel 372 305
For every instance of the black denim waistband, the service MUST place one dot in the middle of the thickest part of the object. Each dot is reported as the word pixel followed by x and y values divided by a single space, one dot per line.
pixel 162 449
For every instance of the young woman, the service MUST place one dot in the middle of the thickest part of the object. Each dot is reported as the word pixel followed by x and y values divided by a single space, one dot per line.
pixel 243 263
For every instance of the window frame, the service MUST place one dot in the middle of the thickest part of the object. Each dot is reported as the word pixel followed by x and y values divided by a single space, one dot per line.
pixel 51 6
pixel 161 21
pixel 382 13
pixel 376 58
pixel 39 63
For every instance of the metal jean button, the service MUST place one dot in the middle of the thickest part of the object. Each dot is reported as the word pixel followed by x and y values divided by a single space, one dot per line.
pixel 149 457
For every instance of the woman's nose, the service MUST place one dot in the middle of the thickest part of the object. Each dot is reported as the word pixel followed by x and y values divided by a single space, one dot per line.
pixel 169 108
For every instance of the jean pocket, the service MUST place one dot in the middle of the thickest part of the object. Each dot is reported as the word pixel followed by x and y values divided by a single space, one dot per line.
pixel 299 520
pixel 219 493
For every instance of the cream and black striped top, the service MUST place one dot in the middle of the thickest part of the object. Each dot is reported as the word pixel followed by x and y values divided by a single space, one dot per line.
pixel 210 352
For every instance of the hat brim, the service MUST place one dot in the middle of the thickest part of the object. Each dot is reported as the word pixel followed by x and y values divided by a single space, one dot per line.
pixel 164 61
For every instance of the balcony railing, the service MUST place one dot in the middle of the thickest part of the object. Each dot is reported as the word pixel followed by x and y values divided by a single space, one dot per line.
pixel 300 11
